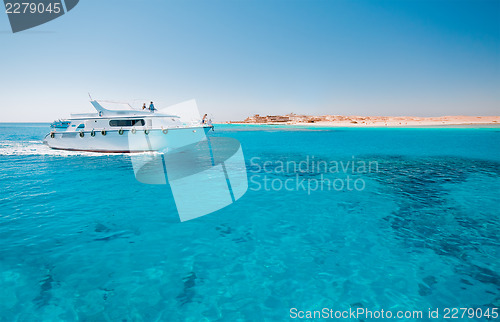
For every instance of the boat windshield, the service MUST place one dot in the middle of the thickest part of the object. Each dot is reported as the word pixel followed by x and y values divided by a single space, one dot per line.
pixel 136 122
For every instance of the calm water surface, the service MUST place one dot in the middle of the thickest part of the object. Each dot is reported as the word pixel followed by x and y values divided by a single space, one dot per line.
pixel 81 239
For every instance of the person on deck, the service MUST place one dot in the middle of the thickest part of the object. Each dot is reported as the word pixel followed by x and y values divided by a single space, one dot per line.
pixel 204 119
pixel 144 106
pixel 152 107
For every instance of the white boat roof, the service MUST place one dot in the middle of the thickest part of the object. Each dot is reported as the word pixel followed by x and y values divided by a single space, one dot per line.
pixel 118 109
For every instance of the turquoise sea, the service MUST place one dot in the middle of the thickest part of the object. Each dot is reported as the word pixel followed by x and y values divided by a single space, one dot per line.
pixel 82 239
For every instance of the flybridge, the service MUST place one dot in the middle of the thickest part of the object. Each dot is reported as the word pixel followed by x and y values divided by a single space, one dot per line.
pixel 125 110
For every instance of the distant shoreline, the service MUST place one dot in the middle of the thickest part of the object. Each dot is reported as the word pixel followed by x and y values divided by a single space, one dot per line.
pixel 326 126
pixel 371 121
pixel 365 122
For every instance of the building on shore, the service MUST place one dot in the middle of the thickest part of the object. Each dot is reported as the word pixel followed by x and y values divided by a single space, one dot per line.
pixel 289 118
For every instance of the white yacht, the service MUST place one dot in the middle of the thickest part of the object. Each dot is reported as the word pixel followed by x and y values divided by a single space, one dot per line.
pixel 127 129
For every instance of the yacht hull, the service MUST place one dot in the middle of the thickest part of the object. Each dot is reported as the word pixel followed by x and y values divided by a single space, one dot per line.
pixel 126 141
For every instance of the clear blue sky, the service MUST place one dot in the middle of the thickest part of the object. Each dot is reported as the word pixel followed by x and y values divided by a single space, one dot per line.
pixel 242 57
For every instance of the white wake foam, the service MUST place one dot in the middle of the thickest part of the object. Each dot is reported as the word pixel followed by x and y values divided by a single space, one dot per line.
pixel 38 148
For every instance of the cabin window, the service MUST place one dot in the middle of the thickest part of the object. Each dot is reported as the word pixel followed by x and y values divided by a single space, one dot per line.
pixel 139 122
pixel 81 126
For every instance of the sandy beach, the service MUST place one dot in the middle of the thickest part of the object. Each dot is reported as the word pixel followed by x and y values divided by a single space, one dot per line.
pixel 371 121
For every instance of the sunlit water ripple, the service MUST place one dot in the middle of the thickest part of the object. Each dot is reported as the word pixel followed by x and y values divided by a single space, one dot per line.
pixel 82 239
